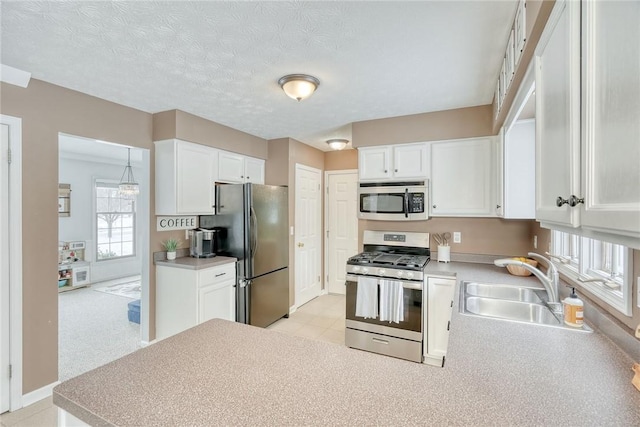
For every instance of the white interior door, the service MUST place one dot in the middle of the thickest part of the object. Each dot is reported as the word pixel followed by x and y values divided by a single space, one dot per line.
pixel 341 226
pixel 4 272
pixel 308 231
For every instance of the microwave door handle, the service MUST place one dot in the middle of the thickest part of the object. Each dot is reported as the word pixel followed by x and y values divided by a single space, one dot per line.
pixel 406 203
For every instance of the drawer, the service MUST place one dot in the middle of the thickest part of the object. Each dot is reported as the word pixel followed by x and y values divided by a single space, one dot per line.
pixel 383 344
pixel 214 275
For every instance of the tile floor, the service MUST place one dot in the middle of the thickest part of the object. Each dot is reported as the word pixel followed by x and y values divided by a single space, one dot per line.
pixel 322 319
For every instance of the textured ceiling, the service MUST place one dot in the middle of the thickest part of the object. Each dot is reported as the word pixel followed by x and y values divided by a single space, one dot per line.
pixel 222 60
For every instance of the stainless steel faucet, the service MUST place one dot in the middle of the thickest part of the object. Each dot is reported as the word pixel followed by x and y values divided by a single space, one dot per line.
pixel 549 281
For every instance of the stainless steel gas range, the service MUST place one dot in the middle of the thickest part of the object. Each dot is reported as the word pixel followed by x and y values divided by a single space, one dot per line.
pixel 384 304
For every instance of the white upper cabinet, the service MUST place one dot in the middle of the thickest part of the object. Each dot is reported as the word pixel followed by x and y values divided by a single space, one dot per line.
pixel 558 116
pixel 374 163
pixel 518 176
pixel 236 168
pixel 410 161
pixel 611 116
pixel 519 31
pixel 184 178
pixel 254 170
pixel 463 178
pixel 588 137
pixel 401 161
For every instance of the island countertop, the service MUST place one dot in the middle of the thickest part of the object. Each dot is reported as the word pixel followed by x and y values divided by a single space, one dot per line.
pixel 496 372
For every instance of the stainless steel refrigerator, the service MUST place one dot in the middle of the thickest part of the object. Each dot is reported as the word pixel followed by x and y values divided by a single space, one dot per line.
pixel 253 221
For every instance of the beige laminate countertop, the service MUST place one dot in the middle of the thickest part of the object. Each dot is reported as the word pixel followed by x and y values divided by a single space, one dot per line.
pixel 196 263
pixel 496 373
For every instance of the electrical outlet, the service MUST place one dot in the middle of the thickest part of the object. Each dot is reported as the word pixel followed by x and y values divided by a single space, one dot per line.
pixel 535 242
pixel 186 234
pixel 457 237
pixel 638 331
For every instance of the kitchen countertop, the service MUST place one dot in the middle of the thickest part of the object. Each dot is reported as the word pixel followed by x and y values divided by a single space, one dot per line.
pixel 196 263
pixel 496 372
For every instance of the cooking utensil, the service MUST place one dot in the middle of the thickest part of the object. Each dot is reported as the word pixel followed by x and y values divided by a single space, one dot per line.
pixel 445 238
pixel 438 238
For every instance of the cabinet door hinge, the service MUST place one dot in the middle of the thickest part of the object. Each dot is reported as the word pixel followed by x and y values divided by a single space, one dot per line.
pixel 327 189
pixel 9 155
pixel 10 371
pixel 448 324
pixel 318 279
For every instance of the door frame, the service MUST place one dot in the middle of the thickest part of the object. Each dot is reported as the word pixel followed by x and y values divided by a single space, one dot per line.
pixel 298 167
pixel 15 260
pixel 327 174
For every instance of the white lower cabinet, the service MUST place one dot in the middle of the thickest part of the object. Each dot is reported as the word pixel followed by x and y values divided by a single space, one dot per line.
pixel 437 320
pixel 185 297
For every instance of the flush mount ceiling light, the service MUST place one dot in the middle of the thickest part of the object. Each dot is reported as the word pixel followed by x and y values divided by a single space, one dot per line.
pixel 337 144
pixel 128 185
pixel 299 86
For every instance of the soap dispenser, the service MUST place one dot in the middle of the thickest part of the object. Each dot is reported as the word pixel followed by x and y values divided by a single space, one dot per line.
pixel 573 310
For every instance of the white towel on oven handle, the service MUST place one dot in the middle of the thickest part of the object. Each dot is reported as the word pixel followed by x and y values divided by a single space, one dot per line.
pixel 367 297
pixel 391 301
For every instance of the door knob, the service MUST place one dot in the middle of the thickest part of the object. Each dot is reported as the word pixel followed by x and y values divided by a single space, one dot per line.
pixel 574 201
pixel 300 245
pixel 560 201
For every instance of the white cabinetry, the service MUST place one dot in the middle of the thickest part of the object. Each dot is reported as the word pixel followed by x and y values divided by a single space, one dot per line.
pixel 611 117
pixel 588 137
pixel 185 297
pixel 402 161
pixel 439 303
pixel 463 178
pixel 236 168
pixel 184 178
pixel 518 172
pixel 558 115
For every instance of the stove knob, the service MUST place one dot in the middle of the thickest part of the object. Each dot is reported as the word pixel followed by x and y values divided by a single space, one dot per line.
pixel 400 273
pixel 365 270
pixel 382 272
pixel 410 274
pixel 356 268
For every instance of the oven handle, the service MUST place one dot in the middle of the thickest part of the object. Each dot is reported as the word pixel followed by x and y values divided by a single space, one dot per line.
pixel 407 285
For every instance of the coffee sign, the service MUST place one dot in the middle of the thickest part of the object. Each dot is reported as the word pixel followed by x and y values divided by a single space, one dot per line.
pixel 168 223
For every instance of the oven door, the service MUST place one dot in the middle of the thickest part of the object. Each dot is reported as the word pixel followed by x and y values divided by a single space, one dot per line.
pixel 393 202
pixel 409 328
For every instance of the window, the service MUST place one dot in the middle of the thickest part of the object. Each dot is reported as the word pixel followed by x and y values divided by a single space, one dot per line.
pixel 600 267
pixel 115 222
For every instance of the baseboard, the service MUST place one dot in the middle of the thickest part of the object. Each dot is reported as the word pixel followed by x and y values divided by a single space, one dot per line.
pixel 39 394
pixel 292 309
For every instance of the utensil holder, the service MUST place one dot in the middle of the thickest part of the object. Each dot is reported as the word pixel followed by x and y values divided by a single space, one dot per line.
pixel 444 253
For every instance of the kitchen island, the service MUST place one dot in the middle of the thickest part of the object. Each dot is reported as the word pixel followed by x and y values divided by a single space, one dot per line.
pixel 498 373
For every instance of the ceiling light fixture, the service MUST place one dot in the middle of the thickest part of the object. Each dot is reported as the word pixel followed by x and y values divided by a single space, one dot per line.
pixel 299 86
pixel 128 187
pixel 337 144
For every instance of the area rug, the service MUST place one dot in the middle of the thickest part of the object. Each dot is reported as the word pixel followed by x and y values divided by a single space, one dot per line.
pixel 127 290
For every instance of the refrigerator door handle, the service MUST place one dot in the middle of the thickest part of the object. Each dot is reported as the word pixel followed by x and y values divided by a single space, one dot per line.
pixel 254 231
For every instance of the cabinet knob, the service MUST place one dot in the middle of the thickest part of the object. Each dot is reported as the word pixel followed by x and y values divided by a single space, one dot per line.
pixel 241 176
pixel 498 206
pixel 396 170
pixel 434 206
pixel 385 171
pixel 560 201
pixel 248 177
pixel 300 245
pixel 574 201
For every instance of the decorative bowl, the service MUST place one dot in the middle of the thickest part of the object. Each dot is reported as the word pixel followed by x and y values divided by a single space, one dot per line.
pixel 516 270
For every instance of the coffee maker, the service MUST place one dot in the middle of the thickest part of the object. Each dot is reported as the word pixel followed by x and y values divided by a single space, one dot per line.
pixel 203 243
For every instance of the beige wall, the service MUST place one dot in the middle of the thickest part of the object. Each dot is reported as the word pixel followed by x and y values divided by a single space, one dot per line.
pixel 488 236
pixel 187 127
pixel 341 160
pixel 439 125
pixel 537 15
pixel 284 154
pixel 45 110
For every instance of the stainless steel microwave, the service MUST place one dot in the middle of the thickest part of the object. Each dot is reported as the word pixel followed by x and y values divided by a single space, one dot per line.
pixel 393 201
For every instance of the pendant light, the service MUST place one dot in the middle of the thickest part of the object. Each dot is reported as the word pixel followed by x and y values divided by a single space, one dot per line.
pixel 299 86
pixel 337 144
pixel 128 186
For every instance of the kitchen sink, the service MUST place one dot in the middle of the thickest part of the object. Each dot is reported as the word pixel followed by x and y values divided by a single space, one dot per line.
pixel 511 303
pixel 512 293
